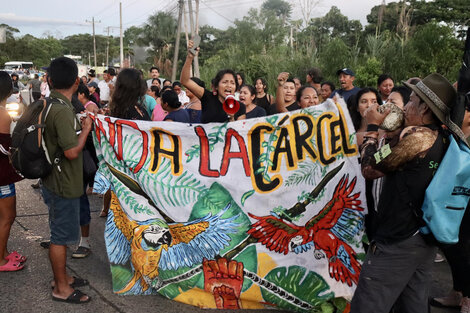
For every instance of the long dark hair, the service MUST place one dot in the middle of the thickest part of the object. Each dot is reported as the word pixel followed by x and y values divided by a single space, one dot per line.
pixel 6 86
pixel 353 104
pixel 128 92
pixel 84 90
pixel 220 74
pixel 170 97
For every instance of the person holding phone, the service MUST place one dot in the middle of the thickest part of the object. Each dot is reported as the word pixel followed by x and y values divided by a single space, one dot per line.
pixel 225 84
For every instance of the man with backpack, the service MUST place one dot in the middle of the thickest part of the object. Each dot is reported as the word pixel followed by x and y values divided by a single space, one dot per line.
pixel 397 270
pixel 63 186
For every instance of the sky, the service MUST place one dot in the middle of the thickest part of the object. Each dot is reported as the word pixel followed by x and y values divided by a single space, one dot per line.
pixel 61 18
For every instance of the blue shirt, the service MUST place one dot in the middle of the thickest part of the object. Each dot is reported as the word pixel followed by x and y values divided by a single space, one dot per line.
pixel 256 112
pixel 149 103
pixel 347 93
pixel 181 116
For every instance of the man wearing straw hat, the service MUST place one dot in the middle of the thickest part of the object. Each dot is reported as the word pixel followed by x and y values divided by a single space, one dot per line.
pixel 396 271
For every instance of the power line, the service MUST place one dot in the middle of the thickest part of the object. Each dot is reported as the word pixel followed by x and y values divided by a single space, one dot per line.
pixel 147 13
pixel 105 8
pixel 226 18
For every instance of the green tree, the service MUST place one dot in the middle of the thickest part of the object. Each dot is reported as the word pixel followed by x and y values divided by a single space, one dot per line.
pixel 433 48
pixel 333 25
pixel 455 13
pixel 280 8
pixel 159 33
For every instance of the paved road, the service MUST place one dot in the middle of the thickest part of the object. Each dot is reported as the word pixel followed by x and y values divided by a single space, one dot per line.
pixel 28 290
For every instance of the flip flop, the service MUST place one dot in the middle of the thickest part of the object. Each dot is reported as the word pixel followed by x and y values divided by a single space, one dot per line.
pixel 77 282
pixel 15 256
pixel 73 298
pixel 11 266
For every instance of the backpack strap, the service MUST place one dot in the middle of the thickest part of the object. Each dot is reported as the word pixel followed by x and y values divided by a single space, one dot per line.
pixel 404 192
pixel 42 119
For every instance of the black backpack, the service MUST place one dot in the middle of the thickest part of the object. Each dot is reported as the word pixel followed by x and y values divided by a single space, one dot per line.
pixel 28 152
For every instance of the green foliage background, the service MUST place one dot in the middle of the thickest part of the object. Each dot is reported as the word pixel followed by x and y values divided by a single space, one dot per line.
pixel 404 39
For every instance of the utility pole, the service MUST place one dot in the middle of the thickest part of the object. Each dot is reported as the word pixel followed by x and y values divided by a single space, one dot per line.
pixel 186 31
pixel 177 44
pixel 107 45
pixel 194 30
pixel 94 39
pixel 121 44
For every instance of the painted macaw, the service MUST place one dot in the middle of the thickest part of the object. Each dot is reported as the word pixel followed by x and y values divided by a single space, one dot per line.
pixel 320 231
pixel 154 245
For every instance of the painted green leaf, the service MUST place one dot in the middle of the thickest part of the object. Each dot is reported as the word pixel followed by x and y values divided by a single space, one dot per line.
pixel 259 171
pixel 246 195
pixel 214 200
pixel 121 276
pixel 309 286
pixel 173 290
pixel 267 178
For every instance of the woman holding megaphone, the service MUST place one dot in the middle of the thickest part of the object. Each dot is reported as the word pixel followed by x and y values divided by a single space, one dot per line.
pixel 221 105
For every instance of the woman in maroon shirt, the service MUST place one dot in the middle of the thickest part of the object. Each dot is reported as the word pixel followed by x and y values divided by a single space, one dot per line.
pixel 8 261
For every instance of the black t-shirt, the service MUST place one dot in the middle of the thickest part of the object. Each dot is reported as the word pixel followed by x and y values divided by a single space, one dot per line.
pixel 264 103
pixel 212 110
pixel 77 105
pixel 256 112
pixel 399 209
pixel 294 106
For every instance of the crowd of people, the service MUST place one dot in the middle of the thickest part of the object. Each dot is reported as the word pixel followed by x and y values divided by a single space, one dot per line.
pixel 396 272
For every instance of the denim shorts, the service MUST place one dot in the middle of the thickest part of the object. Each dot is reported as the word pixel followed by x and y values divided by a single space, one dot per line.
pixel 7 191
pixel 64 218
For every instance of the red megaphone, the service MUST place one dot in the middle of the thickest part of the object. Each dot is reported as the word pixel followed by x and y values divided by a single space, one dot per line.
pixel 231 105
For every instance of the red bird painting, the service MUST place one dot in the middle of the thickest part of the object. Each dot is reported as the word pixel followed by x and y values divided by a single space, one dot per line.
pixel 322 231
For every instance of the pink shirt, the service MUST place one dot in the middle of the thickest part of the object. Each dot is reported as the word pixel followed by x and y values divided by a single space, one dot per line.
pixel 158 113
pixel 89 102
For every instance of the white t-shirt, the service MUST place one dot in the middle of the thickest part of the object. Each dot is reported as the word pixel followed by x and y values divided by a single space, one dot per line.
pixel 104 90
pixel 183 98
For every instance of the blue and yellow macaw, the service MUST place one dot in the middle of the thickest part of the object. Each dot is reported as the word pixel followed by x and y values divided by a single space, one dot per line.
pixel 153 244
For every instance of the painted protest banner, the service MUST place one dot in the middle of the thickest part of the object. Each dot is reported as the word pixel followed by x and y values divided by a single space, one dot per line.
pixel 250 214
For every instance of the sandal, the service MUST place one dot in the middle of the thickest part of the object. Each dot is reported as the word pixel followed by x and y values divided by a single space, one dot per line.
pixel 77 282
pixel 11 266
pixel 15 256
pixel 73 298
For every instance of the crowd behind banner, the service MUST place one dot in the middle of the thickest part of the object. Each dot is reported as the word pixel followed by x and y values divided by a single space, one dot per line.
pixel 249 198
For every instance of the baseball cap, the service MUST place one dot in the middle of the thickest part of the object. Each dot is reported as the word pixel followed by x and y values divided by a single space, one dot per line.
pixel 346 71
pixel 93 84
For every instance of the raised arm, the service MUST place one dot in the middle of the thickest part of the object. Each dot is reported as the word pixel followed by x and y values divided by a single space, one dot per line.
pixel 280 104
pixel 185 77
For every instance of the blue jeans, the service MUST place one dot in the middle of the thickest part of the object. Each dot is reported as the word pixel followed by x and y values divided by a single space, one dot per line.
pixel 85 216
pixel 64 218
